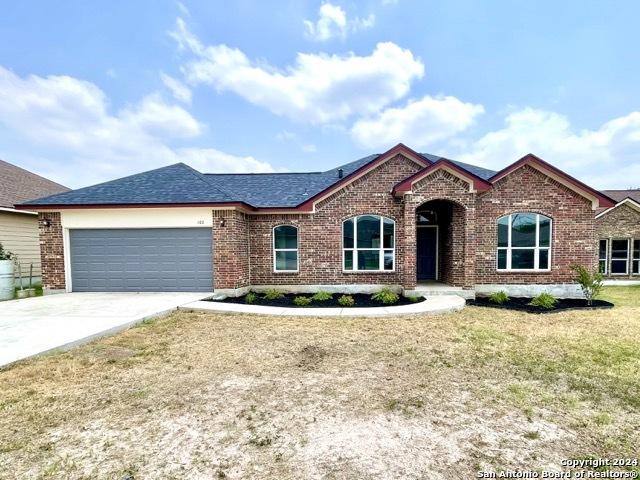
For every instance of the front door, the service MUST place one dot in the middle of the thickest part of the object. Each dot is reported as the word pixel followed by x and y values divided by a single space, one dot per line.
pixel 427 253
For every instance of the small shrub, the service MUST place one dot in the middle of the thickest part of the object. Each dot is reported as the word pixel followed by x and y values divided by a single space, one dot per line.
pixel 590 282
pixel 301 301
pixel 5 254
pixel 346 301
pixel 386 296
pixel 273 294
pixel 413 298
pixel 499 297
pixel 544 300
pixel 322 296
pixel 250 298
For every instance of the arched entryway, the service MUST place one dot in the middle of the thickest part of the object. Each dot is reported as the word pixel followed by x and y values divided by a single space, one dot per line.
pixel 440 234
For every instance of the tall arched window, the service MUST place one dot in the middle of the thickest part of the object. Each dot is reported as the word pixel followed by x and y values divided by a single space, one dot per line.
pixel 368 243
pixel 524 242
pixel 285 248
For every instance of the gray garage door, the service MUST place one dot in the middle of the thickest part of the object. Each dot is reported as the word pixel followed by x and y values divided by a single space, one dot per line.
pixel 141 260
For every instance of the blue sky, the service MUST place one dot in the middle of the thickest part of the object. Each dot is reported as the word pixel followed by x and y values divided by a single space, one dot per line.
pixel 91 91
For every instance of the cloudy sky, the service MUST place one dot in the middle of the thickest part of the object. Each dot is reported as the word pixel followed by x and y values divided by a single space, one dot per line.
pixel 91 91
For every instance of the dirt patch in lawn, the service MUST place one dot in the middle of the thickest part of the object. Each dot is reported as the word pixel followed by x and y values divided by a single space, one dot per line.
pixel 239 396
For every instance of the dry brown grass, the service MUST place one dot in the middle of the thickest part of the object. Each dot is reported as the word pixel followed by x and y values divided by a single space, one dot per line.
pixel 199 396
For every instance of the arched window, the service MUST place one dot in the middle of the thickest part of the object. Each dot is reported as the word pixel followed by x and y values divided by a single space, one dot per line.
pixel 285 248
pixel 368 243
pixel 524 242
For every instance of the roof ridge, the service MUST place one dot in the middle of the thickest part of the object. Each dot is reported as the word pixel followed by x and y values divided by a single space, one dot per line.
pixel 200 176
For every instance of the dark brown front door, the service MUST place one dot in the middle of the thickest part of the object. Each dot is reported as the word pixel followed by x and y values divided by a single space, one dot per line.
pixel 427 253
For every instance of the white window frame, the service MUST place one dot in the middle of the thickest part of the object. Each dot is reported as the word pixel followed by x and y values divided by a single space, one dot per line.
pixel 635 260
pixel 625 260
pixel 355 248
pixel 536 248
pixel 606 256
pixel 297 250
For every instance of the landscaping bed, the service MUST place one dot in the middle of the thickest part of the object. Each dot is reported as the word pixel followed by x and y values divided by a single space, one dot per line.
pixel 287 300
pixel 524 304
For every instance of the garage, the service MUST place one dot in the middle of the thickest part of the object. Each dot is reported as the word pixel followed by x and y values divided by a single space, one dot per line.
pixel 141 260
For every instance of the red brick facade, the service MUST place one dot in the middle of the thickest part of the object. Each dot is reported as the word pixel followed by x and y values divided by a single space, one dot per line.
pixel 242 242
pixel 527 190
pixel 619 223
pixel 51 250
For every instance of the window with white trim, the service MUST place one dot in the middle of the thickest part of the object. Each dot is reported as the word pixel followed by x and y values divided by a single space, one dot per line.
pixel 635 268
pixel 368 243
pixel 285 248
pixel 603 251
pixel 524 242
pixel 620 257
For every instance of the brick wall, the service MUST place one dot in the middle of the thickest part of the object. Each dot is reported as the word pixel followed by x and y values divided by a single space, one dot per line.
pixel 230 249
pixel 527 190
pixel 623 222
pixel 51 251
pixel 320 234
pixel 457 254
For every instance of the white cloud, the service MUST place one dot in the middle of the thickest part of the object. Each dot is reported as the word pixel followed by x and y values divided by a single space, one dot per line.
pixel 70 120
pixel 289 137
pixel 332 22
pixel 183 9
pixel 419 123
pixel 318 88
pixel 605 157
pixel 179 90
pixel 210 160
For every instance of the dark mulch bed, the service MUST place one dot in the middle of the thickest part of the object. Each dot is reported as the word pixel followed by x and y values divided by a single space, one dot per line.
pixel 362 300
pixel 522 304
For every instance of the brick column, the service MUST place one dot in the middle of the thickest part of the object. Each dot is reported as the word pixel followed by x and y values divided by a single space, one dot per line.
pixel 409 244
pixel 230 250
pixel 51 251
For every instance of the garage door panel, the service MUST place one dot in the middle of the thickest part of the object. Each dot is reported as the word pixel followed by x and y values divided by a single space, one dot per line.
pixel 141 260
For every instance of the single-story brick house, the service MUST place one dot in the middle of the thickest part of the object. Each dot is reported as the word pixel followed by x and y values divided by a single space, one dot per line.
pixel 618 231
pixel 400 218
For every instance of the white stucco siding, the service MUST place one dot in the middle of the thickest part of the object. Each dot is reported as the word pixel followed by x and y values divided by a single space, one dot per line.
pixel 137 218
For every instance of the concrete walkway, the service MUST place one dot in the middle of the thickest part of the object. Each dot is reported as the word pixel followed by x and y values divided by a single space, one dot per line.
pixel 36 325
pixel 432 305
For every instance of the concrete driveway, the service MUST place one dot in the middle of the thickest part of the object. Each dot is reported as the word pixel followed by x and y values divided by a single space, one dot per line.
pixel 36 325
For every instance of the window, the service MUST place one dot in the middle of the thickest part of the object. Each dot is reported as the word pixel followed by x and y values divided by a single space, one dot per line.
pixel 368 243
pixel 619 257
pixel 602 256
pixel 524 242
pixel 635 268
pixel 426 217
pixel 285 248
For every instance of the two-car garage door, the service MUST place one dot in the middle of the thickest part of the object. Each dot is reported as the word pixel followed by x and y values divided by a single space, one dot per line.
pixel 141 260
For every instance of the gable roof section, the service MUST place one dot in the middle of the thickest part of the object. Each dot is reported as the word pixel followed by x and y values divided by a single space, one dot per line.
pixel 631 202
pixel 18 185
pixel 475 182
pixel 598 199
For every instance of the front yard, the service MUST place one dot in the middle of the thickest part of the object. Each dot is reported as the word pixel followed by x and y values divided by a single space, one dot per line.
pixel 203 395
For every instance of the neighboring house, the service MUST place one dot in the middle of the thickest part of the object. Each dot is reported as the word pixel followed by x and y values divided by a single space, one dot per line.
pixel 399 218
pixel 618 230
pixel 19 228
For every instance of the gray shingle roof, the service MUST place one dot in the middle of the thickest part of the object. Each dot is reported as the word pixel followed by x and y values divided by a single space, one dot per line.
pixel 619 195
pixel 179 183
